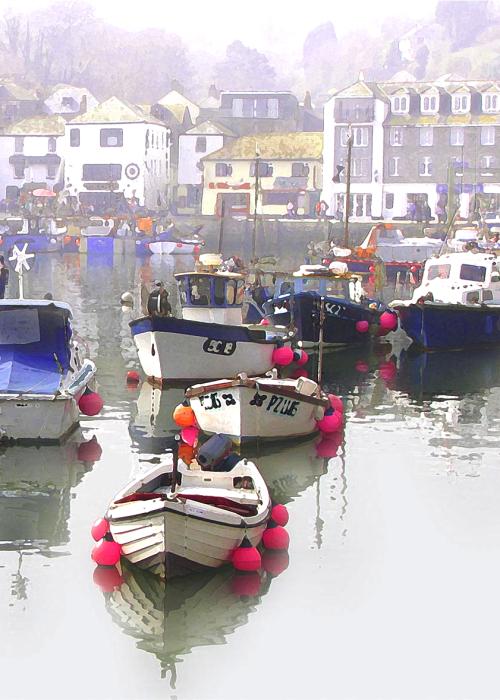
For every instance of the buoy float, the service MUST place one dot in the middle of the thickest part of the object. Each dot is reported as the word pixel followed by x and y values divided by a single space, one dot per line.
pixel 190 435
pixel 246 583
pixel 246 557
pixel 107 552
pixel 90 403
pixel 283 356
pixel 89 451
pixel 279 514
pixel 265 322
pixel 303 359
pixel 388 321
pixel 362 326
pixel 108 578
pixel 361 366
pixel 133 376
pixel 99 529
pixel 336 403
pixel 275 537
pixel 331 421
pixel 183 416
pixel 186 453
pixel 275 561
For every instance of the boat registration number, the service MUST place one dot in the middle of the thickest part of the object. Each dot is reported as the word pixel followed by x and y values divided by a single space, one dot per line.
pixel 219 347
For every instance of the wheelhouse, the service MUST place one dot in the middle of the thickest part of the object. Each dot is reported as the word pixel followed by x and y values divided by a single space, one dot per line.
pixel 217 290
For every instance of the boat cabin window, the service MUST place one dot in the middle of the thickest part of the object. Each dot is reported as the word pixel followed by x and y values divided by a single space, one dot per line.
pixel 19 327
pixel 240 291
pixel 487 295
pixel 231 292
pixel 285 288
pixel 438 272
pixel 472 297
pixel 183 290
pixel 199 288
pixel 338 288
pixel 220 291
pixel 474 273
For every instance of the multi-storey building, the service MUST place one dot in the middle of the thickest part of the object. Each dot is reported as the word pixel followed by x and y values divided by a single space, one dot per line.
pixel 411 142
pixel 286 166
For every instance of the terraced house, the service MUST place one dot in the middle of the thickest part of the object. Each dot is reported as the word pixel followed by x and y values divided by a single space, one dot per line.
pixel 411 143
pixel 286 167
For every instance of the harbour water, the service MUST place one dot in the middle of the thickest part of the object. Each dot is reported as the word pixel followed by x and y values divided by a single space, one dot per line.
pixel 392 585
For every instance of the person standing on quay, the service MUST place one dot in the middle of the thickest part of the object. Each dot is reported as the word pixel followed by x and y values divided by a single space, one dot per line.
pixel 4 276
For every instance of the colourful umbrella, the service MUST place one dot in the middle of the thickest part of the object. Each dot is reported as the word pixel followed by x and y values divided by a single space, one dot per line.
pixel 44 193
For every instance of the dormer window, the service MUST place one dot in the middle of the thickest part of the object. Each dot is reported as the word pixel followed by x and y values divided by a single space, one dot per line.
pixel 491 102
pixel 460 104
pixel 400 104
pixel 429 104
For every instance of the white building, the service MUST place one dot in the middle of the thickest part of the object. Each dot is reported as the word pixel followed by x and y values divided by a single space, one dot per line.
pixel 31 152
pixel 70 100
pixel 117 151
pixel 195 144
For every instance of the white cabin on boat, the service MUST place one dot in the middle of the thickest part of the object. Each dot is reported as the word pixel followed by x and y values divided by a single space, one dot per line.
pixel 461 278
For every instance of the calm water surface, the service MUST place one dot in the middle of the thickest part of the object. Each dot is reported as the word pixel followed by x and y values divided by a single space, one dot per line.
pixel 393 583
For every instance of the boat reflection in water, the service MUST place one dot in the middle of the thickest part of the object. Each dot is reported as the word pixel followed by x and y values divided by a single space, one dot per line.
pixel 152 428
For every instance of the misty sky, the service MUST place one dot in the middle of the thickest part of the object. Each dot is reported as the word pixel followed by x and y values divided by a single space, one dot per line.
pixel 273 25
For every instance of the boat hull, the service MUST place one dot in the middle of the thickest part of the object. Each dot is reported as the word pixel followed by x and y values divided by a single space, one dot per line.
pixel 450 326
pixel 38 243
pixel 172 349
pixel 172 248
pixel 32 418
pixel 254 413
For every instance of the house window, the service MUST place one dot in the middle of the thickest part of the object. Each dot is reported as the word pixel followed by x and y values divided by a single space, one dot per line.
pixel 400 105
pixel 201 144
pixel 491 102
pixel 147 140
pixel 265 169
pixel 487 136
pixel 273 108
pixel 51 171
pixel 486 163
pixel 248 108
pixel 359 167
pixel 429 104
pixel 111 138
pixel 426 136
pixel 389 200
pixel 223 169
pixel 460 104
pixel 19 145
pixel 425 166
pixel 300 170
pixel 360 136
pixel 52 145
pixel 396 136
pixel 74 137
pixel 19 172
pixel 237 107
pixel 101 172
pixel 394 166
pixel 457 136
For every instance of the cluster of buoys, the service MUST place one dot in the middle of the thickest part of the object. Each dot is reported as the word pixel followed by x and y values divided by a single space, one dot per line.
pixel 185 418
pixel 246 557
pixel 106 552
pixel 248 583
pixel 90 403
pixel 285 355
pixel 333 419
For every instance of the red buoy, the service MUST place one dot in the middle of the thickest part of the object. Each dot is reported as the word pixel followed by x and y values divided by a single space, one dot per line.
pixel 362 326
pixel 265 322
pixel 107 578
pixel 99 529
pixel 361 366
pixel 90 403
pixel 283 356
pixel 89 451
pixel 304 358
pixel 275 561
pixel 107 552
pixel 133 377
pixel 279 514
pixel 388 321
pixel 190 435
pixel 184 416
pixel 331 421
pixel 246 557
pixel 336 403
pixel 246 583
pixel 275 537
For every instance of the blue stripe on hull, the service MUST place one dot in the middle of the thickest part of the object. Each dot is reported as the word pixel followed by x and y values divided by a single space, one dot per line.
pixel 450 326
pixel 216 331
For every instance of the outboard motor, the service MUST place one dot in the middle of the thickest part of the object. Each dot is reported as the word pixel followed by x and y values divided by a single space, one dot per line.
pixel 216 454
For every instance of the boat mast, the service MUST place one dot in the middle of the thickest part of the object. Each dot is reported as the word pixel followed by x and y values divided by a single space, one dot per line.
pixel 256 201
pixel 221 227
pixel 347 205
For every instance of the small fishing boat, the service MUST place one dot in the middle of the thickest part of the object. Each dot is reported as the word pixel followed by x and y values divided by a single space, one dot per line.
pixel 178 517
pixel 170 242
pixel 349 316
pixel 457 305
pixel 210 340
pixel 258 408
pixel 42 235
pixel 43 369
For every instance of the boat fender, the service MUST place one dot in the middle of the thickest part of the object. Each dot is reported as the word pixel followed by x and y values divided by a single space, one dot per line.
pixel 246 557
pixel 388 321
pixel 190 435
pixel 90 403
pixel 275 537
pixel 331 421
pixel 304 358
pixel 183 415
pixel 336 403
pixel 107 552
pixel 279 514
pixel 362 326
pixel 99 529
pixel 283 356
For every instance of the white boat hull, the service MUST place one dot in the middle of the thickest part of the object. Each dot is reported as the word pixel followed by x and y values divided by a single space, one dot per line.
pixel 251 413
pixel 171 248
pixel 37 418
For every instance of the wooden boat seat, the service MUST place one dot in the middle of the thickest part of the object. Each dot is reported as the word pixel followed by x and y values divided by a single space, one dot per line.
pixel 221 502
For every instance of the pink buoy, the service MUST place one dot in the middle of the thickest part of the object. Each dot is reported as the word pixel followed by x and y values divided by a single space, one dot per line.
pixel 279 514
pixel 336 403
pixel 246 583
pixel 190 435
pixel 388 321
pixel 107 552
pixel 108 578
pixel 361 366
pixel 265 322
pixel 90 403
pixel 275 537
pixel 275 561
pixel 99 529
pixel 304 358
pixel 133 377
pixel 331 422
pixel 246 557
pixel 283 356
pixel 362 326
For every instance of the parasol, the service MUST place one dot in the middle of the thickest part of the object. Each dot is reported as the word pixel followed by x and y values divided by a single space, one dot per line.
pixel 43 193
